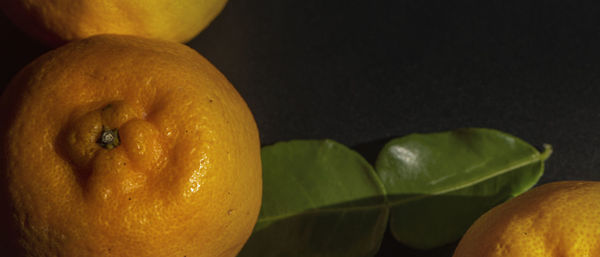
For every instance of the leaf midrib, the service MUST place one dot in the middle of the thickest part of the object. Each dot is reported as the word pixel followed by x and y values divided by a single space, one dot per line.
pixel 537 157
pixel 324 210
pixel 519 164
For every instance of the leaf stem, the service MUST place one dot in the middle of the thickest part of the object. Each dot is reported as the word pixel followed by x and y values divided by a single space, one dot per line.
pixel 109 138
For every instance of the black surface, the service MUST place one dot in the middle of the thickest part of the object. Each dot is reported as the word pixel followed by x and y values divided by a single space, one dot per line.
pixel 360 72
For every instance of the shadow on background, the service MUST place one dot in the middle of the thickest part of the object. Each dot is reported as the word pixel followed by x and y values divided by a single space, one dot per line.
pixel 17 50
pixel 8 234
pixel 8 231
pixel 392 248
pixel 370 150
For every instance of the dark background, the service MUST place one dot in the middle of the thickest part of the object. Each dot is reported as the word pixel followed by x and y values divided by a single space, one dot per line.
pixel 362 72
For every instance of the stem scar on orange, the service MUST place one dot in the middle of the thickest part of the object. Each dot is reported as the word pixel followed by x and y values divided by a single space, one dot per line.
pixel 125 146
pixel 109 138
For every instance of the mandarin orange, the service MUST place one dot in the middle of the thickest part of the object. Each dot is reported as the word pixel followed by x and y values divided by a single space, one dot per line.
pixel 560 219
pixel 125 146
pixel 58 21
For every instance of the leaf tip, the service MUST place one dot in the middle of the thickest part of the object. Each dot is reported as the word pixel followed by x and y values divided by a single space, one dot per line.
pixel 547 151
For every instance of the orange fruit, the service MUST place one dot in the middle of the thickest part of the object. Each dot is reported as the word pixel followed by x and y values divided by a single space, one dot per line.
pixel 125 146
pixel 58 21
pixel 560 219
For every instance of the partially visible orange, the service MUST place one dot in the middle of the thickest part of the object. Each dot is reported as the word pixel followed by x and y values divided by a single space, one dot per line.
pixel 58 21
pixel 184 180
pixel 560 219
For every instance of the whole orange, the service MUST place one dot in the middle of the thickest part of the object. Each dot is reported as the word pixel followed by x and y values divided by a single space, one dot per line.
pixel 560 219
pixel 58 21
pixel 125 146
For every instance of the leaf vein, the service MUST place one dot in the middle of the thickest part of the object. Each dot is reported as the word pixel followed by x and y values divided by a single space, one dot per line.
pixel 519 164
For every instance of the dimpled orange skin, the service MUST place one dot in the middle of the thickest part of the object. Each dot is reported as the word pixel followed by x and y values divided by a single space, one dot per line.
pixel 185 180
pixel 58 21
pixel 560 219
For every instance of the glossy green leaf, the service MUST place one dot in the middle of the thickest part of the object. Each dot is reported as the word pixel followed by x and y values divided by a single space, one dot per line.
pixel 319 199
pixel 439 184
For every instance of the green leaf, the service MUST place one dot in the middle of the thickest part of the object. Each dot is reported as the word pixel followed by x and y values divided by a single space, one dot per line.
pixel 439 184
pixel 319 199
